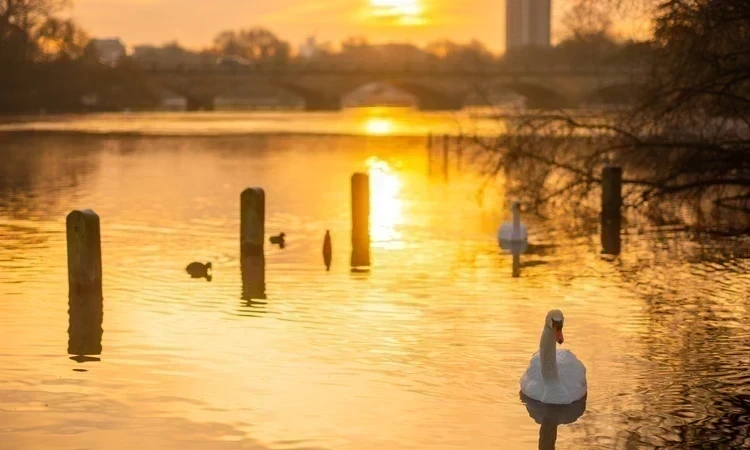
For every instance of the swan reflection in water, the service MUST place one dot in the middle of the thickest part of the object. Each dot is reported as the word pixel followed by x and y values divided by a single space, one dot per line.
pixel 551 416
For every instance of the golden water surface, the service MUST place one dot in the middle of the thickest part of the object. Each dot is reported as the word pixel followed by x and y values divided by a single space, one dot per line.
pixel 423 351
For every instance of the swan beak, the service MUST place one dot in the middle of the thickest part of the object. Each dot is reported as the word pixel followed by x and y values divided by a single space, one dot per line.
pixel 559 336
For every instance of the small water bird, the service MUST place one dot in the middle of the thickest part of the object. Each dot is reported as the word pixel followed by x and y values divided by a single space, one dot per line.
pixel 327 250
pixel 278 240
pixel 511 234
pixel 554 376
pixel 199 270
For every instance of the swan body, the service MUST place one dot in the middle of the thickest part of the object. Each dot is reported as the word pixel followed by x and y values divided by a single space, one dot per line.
pixel 514 232
pixel 554 376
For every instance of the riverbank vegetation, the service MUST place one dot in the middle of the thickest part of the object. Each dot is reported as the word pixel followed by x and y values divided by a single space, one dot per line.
pixel 48 64
pixel 684 143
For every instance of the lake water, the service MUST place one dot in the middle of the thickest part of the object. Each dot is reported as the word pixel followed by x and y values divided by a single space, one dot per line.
pixel 423 351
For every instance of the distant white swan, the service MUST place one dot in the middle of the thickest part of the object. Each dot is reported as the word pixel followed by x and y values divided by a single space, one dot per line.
pixel 554 376
pixel 512 232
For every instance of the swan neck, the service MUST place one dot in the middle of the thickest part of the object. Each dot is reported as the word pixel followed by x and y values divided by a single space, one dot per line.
pixel 548 355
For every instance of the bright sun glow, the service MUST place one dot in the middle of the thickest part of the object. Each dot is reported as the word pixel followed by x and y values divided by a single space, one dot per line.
pixel 405 12
pixel 378 126
pixel 386 203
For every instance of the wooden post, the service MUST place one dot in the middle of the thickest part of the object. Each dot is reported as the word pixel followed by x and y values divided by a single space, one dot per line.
pixel 252 222
pixel 516 264
pixel 611 205
pixel 84 253
pixel 85 302
pixel 459 151
pixel 360 220
pixel 445 156
pixel 429 154
pixel 252 240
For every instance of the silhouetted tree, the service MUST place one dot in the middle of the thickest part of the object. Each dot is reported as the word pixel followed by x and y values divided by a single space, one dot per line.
pixel 256 44
pixel 20 23
pixel 685 143
pixel 473 53
pixel 58 38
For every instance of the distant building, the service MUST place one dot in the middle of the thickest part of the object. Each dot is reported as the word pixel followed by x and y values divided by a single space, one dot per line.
pixel 109 50
pixel 309 48
pixel 528 23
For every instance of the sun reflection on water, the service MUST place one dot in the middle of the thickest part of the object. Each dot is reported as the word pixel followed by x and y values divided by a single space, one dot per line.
pixel 386 204
pixel 379 126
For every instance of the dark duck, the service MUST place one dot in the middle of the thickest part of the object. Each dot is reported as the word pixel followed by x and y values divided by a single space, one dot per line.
pixel 199 270
pixel 278 240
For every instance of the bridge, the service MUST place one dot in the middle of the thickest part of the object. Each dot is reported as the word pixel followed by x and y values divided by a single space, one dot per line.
pixel 322 89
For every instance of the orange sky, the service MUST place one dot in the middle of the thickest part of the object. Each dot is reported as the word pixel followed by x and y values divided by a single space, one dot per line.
pixel 194 23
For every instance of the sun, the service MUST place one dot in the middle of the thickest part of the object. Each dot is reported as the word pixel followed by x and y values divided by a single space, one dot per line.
pixel 406 12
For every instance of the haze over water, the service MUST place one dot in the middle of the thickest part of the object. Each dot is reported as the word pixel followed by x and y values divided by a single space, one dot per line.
pixel 424 351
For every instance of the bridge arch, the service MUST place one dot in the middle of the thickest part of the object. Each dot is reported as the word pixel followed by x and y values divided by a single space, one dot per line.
pixel 315 100
pixel 536 95
pixel 427 97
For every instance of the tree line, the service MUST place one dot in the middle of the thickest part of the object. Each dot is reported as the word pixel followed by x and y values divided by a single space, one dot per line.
pixel 684 143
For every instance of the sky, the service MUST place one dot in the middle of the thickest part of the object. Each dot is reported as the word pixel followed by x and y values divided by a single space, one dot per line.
pixel 194 23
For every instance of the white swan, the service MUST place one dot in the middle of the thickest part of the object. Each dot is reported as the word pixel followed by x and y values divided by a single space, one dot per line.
pixel 554 376
pixel 511 233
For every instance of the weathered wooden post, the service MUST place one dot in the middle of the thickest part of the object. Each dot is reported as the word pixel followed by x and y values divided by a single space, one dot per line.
pixel 252 233
pixel 85 300
pixel 84 252
pixel 252 222
pixel 516 264
pixel 611 206
pixel 429 154
pixel 446 143
pixel 360 220
pixel 459 151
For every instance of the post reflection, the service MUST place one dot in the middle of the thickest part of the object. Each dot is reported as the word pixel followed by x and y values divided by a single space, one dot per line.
pixel 85 317
pixel 253 270
pixel 549 417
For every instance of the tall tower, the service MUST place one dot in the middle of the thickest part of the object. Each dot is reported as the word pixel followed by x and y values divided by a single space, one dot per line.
pixel 528 23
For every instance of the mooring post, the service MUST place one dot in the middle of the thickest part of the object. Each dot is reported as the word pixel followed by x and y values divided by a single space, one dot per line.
pixel 360 220
pixel 429 154
pixel 85 302
pixel 459 151
pixel 252 222
pixel 445 156
pixel 84 253
pixel 252 239
pixel 611 206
